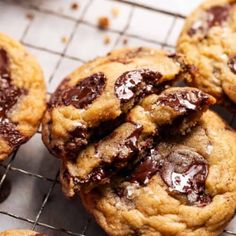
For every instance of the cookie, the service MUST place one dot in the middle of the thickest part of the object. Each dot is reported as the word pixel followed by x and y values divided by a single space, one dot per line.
pixel 174 110
pixel 208 42
pixel 22 232
pixel 94 99
pixel 22 95
pixel 185 185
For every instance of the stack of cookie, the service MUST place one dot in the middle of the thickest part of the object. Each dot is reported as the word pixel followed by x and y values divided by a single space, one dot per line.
pixel 145 157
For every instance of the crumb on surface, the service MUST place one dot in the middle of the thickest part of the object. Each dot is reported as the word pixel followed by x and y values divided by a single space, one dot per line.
pixel 125 41
pixel 30 15
pixel 74 6
pixel 103 22
pixel 115 11
pixel 107 39
pixel 64 39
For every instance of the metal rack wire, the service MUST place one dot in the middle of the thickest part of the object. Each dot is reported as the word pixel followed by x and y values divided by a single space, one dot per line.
pixel 7 166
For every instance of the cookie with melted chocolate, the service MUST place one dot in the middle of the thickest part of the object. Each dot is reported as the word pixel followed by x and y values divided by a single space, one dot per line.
pixel 208 42
pixel 21 232
pixel 22 95
pixel 184 185
pixel 174 109
pixel 94 100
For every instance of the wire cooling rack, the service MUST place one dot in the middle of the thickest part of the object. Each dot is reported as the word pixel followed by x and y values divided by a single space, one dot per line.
pixel 63 34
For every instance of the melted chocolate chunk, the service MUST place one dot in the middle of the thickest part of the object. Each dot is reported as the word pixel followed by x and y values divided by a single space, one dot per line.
pixel 82 94
pixel 55 99
pixel 147 168
pixel 185 171
pixel 9 132
pixel 214 16
pixel 135 84
pixel 217 15
pixel 232 64
pixel 182 102
pixel 77 139
pixel 131 143
pixel 85 91
pixel 9 94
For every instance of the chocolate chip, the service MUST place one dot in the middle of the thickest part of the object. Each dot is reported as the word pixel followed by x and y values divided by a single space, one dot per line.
pixel 9 94
pixel 217 15
pixel 214 16
pixel 9 132
pixel 135 84
pixel 85 91
pixel 184 101
pixel 55 99
pixel 185 172
pixel 77 139
pixel 232 64
pixel 82 94
pixel 147 168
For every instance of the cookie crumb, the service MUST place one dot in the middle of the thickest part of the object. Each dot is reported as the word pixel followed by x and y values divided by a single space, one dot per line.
pixel 30 16
pixel 103 22
pixel 64 39
pixel 115 11
pixel 125 41
pixel 106 39
pixel 74 6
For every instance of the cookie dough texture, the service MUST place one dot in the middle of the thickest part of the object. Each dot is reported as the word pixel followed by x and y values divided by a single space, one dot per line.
pixel 127 207
pixel 113 85
pixel 208 41
pixel 22 95
pixel 20 233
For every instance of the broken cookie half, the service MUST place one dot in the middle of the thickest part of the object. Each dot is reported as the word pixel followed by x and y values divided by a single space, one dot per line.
pixel 173 111
pixel 95 99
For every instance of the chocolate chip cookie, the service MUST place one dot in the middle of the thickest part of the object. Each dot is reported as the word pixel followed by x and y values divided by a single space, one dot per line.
pixel 93 100
pixel 22 95
pixel 22 232
pixel 208 42
pixel 174 110
pixel 184 185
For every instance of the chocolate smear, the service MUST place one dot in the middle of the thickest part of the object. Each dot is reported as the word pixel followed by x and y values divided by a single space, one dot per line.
pixel 214 16
pixel 135 84
pixel 9 94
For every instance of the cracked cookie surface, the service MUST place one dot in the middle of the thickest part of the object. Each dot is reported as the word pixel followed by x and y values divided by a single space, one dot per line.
pixel 185 185
pixel 22 95
pixel 94 99
pixel 208 42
